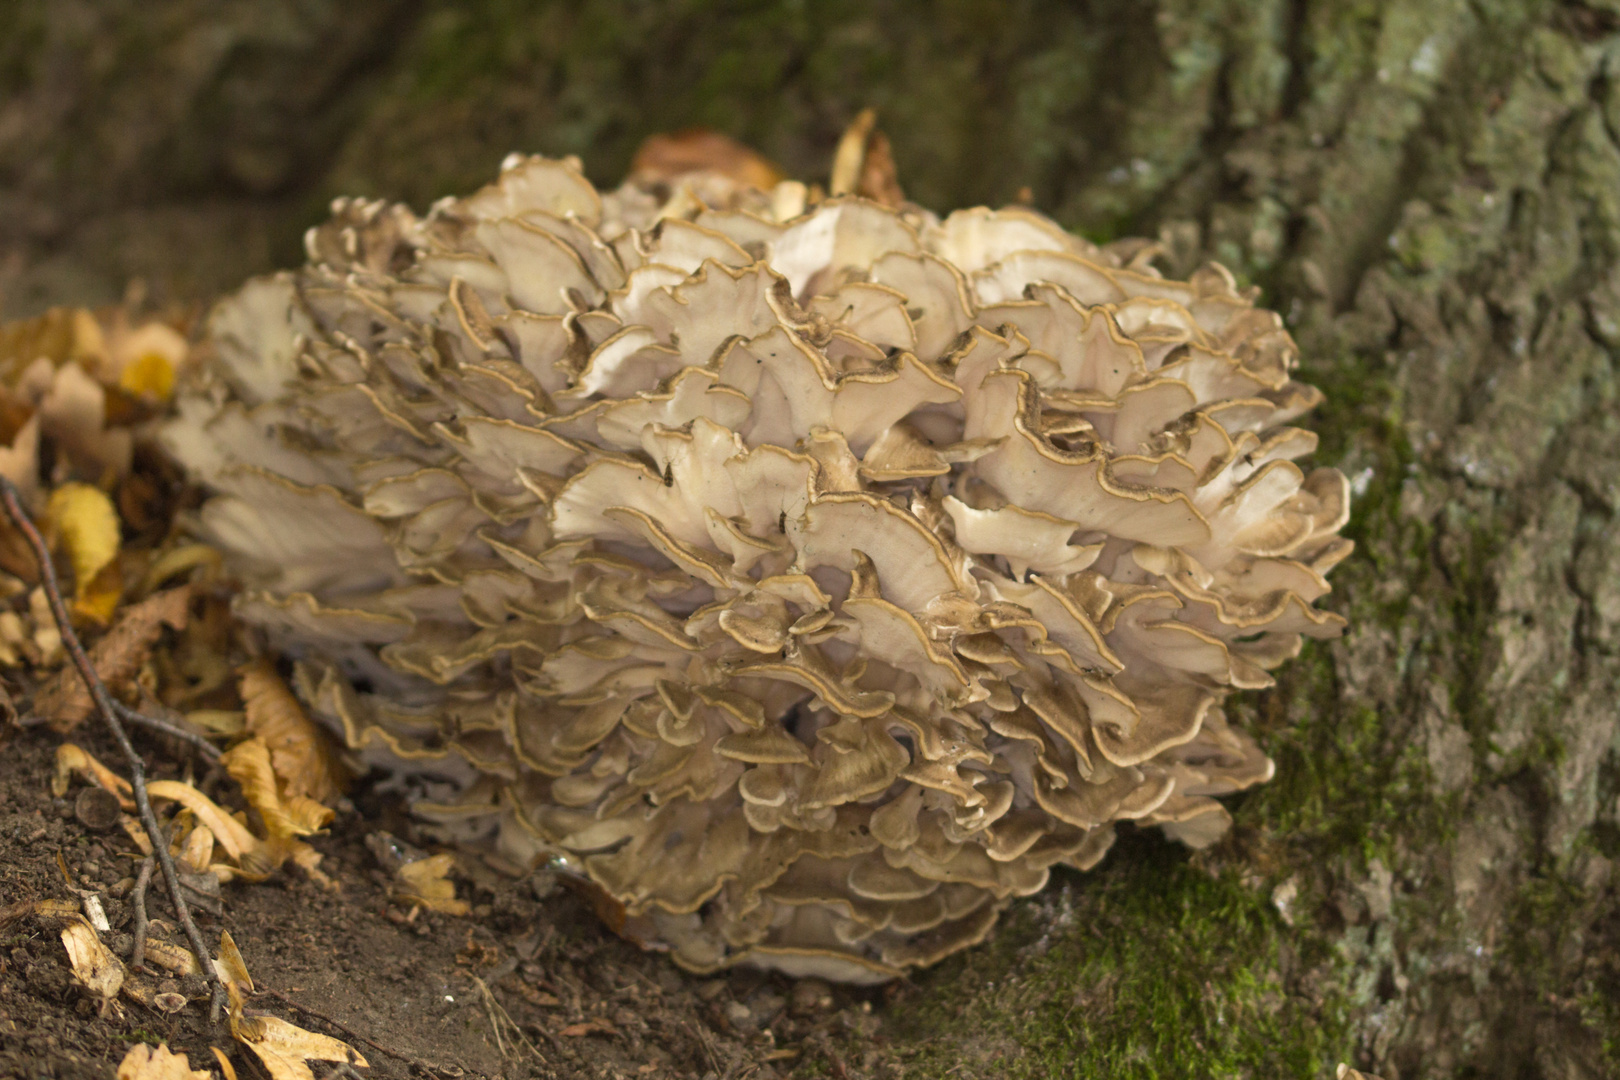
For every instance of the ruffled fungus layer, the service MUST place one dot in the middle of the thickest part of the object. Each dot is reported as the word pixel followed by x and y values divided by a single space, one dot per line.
pixel 816 577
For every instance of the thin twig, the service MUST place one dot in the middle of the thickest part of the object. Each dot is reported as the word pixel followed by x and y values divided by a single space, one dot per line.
pixel 138 896
pixel 415 1063
pixel 204 747
pixel 12 499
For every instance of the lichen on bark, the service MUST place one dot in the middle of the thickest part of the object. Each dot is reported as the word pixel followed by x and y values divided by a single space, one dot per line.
pixel 1428 189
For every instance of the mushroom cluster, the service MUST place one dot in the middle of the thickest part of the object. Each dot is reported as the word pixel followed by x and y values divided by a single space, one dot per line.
pixel 814 574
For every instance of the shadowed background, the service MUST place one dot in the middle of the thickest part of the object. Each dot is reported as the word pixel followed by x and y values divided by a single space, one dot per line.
pixel 1428 189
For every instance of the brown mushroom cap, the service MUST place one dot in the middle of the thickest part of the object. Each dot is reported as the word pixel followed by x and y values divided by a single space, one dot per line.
pixel 813 579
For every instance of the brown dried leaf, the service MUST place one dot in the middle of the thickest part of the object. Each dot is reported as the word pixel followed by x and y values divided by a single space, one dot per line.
pixel 65 702
pixel 588 1027
pixel 145 1062
pixel 230 965
pixel 864 164
pixel 424 882
pixel 663 158
pixel 301 752
pixel 284 813
pixel 171 957
pixel 96 968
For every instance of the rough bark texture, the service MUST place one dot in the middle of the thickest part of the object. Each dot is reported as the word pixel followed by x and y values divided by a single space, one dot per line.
pixel 1428 189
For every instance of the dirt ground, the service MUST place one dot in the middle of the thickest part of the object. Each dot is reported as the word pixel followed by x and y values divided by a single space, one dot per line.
pixel 530 985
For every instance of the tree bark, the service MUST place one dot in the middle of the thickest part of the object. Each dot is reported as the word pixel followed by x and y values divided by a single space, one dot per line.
pixel 1429 190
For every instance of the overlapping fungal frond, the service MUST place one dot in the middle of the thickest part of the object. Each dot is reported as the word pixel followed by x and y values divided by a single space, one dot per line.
pixel 816 576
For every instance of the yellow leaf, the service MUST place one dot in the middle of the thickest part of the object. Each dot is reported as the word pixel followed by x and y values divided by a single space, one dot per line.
pixel 93 965
pixel 71 759
pixel 198 851
pixel 145 1062
pixel 424 882
pixel 217 721
pixel 225 1067
pixel 167 955
pixel 230 965
pixel 300 751
pixel 98 600
pixel 231 834
pixel 177 561
pixel 284 1048
pixel 149 374
pixel 136 833
pixel 248 762
pixel 85 521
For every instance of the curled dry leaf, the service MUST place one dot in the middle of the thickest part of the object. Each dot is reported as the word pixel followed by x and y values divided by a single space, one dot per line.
pixel 96 968
pixel 424 882
pixel 283 1048
pixel 171 957
pixel 588 1027
pixel 255 858
pixel 230 965
pixel 267 788
pixel 65 702
pixel 301 752
pixel 72 760
pixel 864 164
pixel 197 853
pixel 145 1062
pixel 85 522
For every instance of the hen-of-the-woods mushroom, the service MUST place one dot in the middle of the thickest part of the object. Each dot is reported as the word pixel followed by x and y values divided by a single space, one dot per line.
pixel 816 577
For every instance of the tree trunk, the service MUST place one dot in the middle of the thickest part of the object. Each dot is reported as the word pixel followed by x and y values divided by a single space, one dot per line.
pixel 1429 190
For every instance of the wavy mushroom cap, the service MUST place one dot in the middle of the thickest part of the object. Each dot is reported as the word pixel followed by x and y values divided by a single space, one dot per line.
pixel 816 578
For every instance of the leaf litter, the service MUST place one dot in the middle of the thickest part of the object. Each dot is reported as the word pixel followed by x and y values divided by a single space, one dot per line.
pixel 78 393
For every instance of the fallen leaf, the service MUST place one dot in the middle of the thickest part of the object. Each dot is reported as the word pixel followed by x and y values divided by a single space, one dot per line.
pixel 145 1062
pixel 424 882
pixel 171 957
pixel 589 1027
pixel 65 703
pixel 64 910
pixel 71 759
pixel 864 164
pixel 231 834
pixel 535 996
pixel 58 335
pixel 225 722
pixel 284 813
pixel 197 853
pixel 230 965
pixel 133 830
pixel 148 375
pixel 300 751
pixel 84 520
pixel 96 968
pixel 284 1048
pixel 225 1067
pixel 663 158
